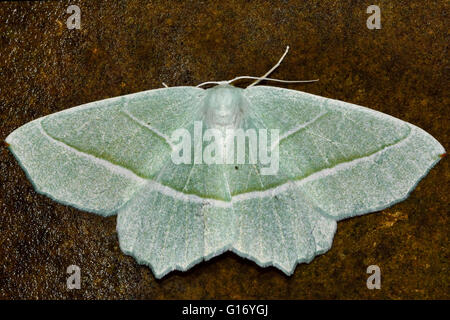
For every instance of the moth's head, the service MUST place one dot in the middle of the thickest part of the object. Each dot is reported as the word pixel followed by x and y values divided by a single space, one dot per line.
pixel 224 106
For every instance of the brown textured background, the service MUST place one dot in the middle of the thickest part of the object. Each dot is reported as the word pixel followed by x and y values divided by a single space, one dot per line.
pixel 129 46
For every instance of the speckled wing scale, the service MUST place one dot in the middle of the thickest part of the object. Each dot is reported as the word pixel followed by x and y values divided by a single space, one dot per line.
pixel 336 160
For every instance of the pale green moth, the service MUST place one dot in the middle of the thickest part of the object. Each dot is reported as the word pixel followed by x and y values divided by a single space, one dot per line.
pixel 335 160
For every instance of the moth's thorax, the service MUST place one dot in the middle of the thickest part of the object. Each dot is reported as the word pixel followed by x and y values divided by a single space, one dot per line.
pixel 224 107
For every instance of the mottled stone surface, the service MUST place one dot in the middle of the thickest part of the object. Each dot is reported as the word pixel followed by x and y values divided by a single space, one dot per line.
pixel 130 46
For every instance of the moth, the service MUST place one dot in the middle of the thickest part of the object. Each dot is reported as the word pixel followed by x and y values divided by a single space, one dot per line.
pixel 132 156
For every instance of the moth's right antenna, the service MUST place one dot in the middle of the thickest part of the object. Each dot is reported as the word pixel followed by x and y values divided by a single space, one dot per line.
pixel 271 70
pixel 259 79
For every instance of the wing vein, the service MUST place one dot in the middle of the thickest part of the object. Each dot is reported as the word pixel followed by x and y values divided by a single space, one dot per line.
pixel 145 125
pixel 121 170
